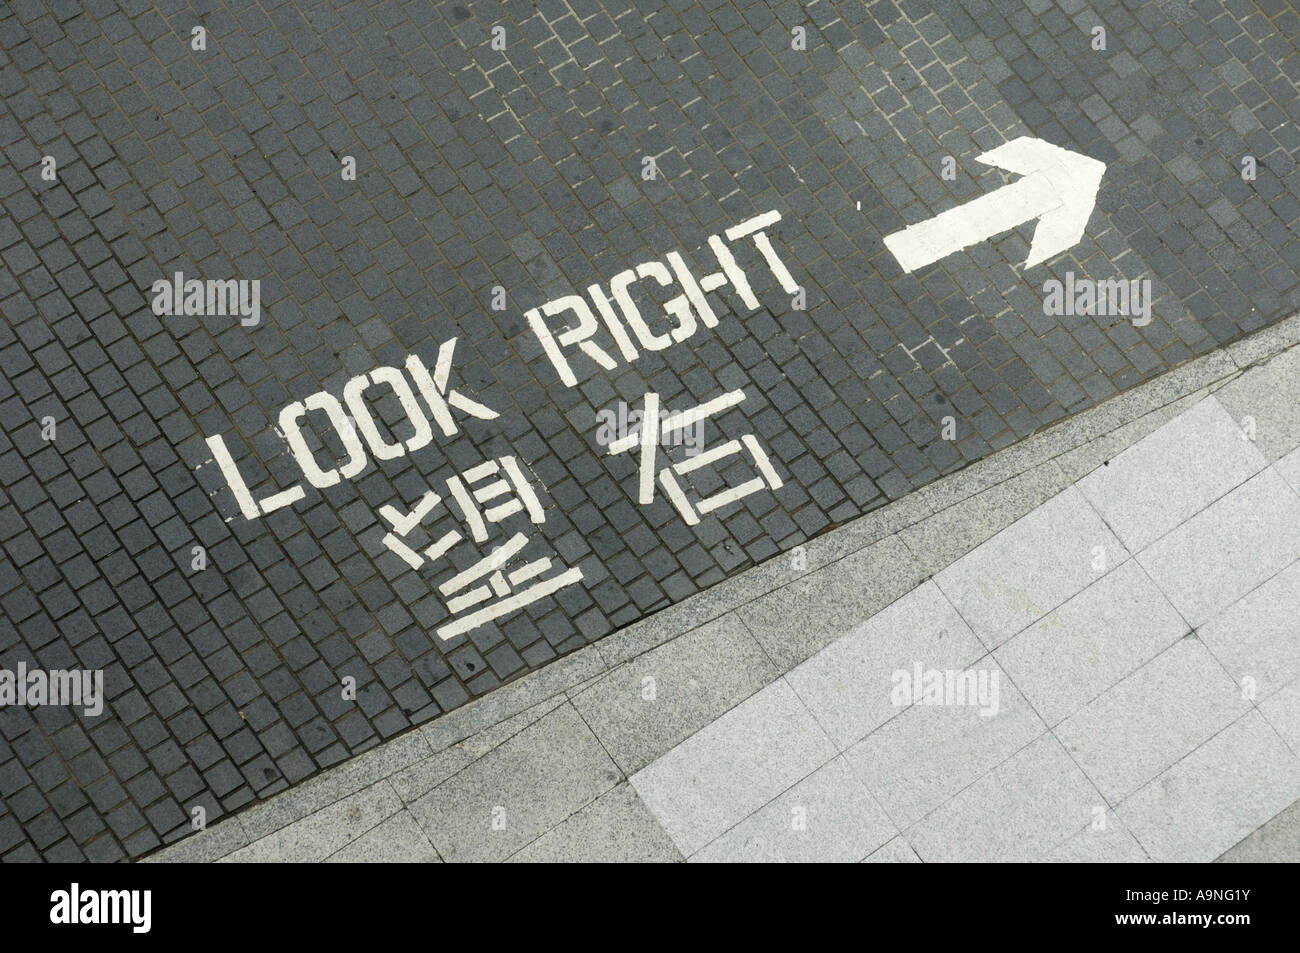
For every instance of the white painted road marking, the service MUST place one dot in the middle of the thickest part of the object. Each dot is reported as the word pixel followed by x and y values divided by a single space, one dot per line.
pixel 1059 189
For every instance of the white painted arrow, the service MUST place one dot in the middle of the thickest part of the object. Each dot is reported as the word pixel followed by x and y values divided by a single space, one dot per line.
pixel 1059 189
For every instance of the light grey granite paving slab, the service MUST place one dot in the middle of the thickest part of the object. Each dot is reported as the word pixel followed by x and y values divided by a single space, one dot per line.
pixel 1172 474
pixel 732 767
pixel 1227 549
pixel 1222 792
pixel 1277 842
pixel 317 836
pixel 1151 719
pixel 795 621
pixel 1267 399
pixel 617 827
pixel 848 685
pixel 942 539
pixel 1077 651
pixel 644 707
pixel 921 759
pixel 1031 567
pixel 1022 809
pixel 1079 461
pixel 828 817
pixel 397 840
pixel 517 791
pixel 1258 637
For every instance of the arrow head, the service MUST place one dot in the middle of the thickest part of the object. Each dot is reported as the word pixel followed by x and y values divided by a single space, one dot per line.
pixel 1071 177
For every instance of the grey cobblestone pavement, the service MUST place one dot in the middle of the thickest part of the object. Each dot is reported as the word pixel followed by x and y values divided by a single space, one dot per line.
pixel 513 173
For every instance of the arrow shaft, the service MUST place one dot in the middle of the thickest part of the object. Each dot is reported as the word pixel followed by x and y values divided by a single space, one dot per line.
pixel 972 222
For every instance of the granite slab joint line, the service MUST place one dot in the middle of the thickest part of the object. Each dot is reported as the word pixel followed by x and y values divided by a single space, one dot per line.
pixel 776 797
pixel 622 774
pixel 379 788
pixel 902 831
pixel 404 809
pixel 1110 811
pixel 580 809
pixel 1249 847
pixel 1190 754
pixel 514 697
pixel 776 664
pixel 1053 731
pixel 956 792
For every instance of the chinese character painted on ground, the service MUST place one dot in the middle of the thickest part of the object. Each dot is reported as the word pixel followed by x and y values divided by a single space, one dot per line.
pixel 481 499
pixel 648 439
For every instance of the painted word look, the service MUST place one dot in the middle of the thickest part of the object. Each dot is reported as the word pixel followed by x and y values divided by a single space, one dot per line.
pixel 432 386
